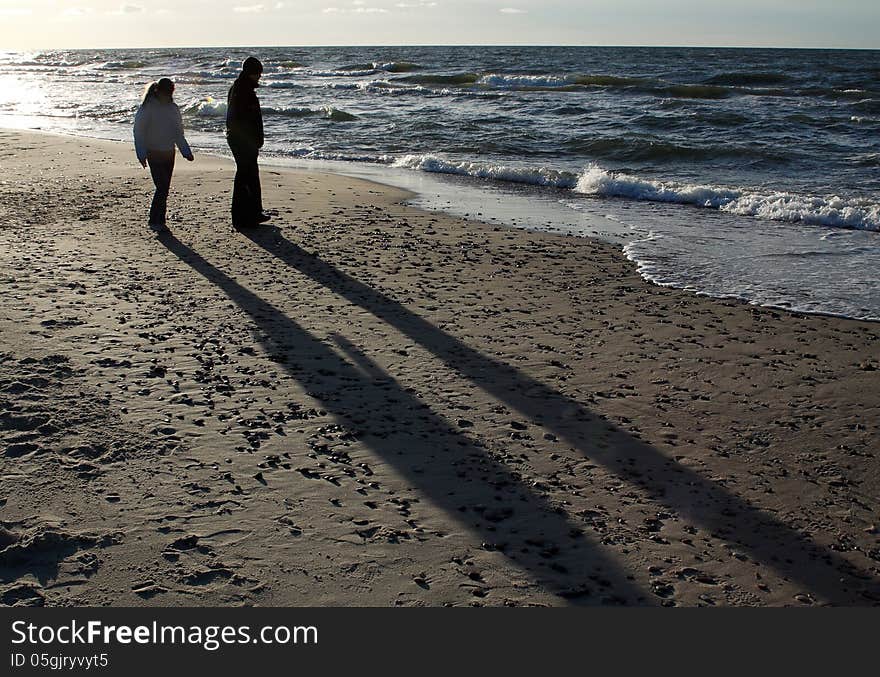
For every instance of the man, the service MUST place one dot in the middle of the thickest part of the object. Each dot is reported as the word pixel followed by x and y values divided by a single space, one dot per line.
pixel 244 133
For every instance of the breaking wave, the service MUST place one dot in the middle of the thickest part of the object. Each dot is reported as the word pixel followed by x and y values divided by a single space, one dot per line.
pixel 206 108
pixel 326 112
pixel 830 211
pixel 536 176
pixel 779 206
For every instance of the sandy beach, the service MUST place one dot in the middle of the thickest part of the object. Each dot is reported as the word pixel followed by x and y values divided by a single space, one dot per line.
pixel 371 405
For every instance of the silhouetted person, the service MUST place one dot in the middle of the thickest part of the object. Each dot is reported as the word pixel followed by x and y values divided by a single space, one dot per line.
pixel 244 133
pixel 158 127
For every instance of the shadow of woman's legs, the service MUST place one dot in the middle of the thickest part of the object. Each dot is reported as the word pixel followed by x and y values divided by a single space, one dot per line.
pixel 443 463
pixel 724 514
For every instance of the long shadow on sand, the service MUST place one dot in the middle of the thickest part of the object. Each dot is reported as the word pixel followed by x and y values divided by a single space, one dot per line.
pixel 440 461
pixel 682 490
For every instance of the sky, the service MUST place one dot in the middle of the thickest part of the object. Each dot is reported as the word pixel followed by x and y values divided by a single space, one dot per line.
pixel 56 24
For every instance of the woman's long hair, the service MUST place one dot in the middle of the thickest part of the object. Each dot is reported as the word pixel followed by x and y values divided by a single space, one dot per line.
pixel 151 91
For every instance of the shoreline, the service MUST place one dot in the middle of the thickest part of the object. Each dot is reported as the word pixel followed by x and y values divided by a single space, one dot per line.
pixel 511 205
pixel 376 405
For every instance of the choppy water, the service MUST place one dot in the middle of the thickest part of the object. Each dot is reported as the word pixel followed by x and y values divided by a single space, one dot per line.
pixel 748 173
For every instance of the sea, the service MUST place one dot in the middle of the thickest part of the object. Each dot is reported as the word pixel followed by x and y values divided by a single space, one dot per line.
pixel 737 173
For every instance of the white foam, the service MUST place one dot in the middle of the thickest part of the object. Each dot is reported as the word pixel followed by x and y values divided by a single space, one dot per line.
pixel 390 88
pixel 536 176
pixel 337 115
pixel 311 153
pixel 347 74
pixel 208 107
pixel 821 211
pixel 778 206
pixel 282 84
pixel 396 66
pixel 524 81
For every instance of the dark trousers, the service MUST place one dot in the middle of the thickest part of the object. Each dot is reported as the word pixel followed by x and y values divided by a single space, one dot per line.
pixel 161 167
pixel 247 199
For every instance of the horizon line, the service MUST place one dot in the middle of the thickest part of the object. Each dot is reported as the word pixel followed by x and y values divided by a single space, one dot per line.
pixel 441 45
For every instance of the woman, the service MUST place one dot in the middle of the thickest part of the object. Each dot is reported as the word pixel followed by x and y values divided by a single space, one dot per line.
pixel 158 127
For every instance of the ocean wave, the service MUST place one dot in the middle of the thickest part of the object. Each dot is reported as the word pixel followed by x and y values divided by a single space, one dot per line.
pixel 115 114
pixel 392 88
pixel 31 68
pixel 207 75
pixel 356 67
pixel 336 115
pixel 530 82
pixel 867 160
pixel 867 105
pixel 677 91
pixel 609 81
pixel 373 66
pixel 647 150
pixel 309 153
pixel 571 110
pixel 281 84
pixel 123 65
pixel 720 118
pixel 211 107
pixel 806 119
pixel 457 79
pixel 769 92
pixel 383 84
pixel 822 211
pixel 206 108
pixel 738 79
pixel 536 176
pixel 573 83
pixel 348 74
pixel 191 81
pixel 361 70
pixel 339 74
pixel 47 65
pixel 326 112
pixel 398 67
pixel 524 81
pixel 838 93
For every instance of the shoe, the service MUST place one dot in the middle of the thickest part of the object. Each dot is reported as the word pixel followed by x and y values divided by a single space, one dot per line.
pixel 158 227
pixel 262 218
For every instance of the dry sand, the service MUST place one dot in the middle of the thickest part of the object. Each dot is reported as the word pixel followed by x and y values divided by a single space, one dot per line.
pixel 374 405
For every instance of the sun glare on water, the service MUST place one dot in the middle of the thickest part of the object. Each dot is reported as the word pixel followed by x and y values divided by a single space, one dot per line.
pixel 18 98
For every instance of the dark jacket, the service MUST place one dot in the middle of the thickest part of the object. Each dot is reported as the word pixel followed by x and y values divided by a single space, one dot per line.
pixel 244 120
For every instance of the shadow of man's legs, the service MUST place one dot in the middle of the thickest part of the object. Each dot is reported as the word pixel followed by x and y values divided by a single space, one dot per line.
pixel 464 480
pixel 671 484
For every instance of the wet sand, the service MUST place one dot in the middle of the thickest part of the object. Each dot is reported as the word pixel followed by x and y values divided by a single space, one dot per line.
pixel 368 404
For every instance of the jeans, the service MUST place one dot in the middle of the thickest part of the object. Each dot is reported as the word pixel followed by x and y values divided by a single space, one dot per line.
pixel 161 164
pixel 247 200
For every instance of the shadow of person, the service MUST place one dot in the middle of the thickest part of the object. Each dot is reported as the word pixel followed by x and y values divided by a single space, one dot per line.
pixel 445 465
pixel 682 490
